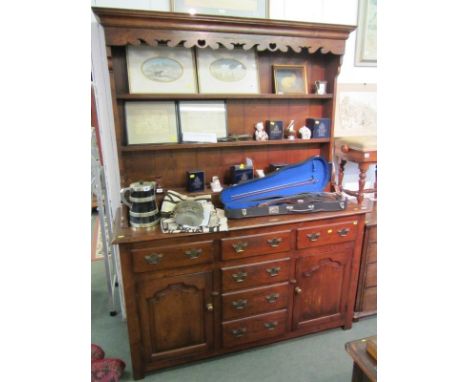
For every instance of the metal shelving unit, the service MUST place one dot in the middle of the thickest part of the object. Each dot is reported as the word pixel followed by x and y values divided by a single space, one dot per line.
pixel 111 262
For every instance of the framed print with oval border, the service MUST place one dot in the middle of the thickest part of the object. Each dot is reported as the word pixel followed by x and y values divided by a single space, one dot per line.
pixel 225 71
pixel 156 70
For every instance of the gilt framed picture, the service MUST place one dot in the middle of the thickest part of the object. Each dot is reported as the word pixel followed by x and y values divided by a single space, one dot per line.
pixel 151 122
pixel 227 71
pixel 290 79
pixel 161 70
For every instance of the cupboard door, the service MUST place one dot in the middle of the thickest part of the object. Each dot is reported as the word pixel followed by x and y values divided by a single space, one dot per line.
pixel 322 286
pixel 176 316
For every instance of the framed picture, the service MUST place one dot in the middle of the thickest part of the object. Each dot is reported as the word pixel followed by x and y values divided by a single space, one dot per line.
pixel 161 70
pixel 356 110
pixel 240 8
pixel 151 122
pixel 202 121
pixel 227 71
pixel 290 79
pixel 366 36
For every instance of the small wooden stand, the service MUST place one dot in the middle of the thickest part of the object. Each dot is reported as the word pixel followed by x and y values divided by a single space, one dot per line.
pixel 365 365
pixel 363 151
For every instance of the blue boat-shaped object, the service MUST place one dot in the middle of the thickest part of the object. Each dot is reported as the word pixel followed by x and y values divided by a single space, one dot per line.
pixel 311 175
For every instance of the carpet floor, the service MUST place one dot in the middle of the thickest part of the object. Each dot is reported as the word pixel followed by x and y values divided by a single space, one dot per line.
pixel 319 357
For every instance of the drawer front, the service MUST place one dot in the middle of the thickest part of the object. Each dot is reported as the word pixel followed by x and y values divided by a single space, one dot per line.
pixel 326 234
pixel 182 255
pixel 253 245
pixel 253 329
pixel 371 275
pixel 371 252
pixel 257 274
pixel 255 301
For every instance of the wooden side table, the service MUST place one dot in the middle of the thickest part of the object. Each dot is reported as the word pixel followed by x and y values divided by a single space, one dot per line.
pixel 365 365
pixel 363 151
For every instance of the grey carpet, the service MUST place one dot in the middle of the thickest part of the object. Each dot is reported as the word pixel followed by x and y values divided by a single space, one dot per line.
pixel 317 357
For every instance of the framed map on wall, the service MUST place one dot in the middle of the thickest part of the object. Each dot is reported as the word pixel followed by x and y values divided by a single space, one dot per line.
pixel 356 110
pixel 366 36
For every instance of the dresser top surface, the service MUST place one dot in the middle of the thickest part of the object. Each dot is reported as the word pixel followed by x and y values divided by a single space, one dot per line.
pixel 125 234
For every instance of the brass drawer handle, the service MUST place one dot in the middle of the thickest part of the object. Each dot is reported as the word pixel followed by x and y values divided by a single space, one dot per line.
pixel 271 325
pixel 154 258
pixel 239 277
pixel 273 271
pixel 275 242
pixel 343 232
pixel 313 236
pixel 298 290
pixel 240 247
pixel 239 304
pixel 272 298
pixel 193 253
pixel 209 307
pixel 238 332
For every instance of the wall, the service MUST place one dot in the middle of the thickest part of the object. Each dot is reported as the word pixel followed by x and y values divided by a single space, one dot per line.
pixel 320 11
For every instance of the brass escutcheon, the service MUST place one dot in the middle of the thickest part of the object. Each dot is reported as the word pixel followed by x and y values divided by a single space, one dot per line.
pixel 239 277
pixel 313 236
pixel 239 332
pixel 276 241
pixel 272 297
pixel 240 247
pixel 239 304
pixel 343 232
pixel 193 253
pixel 273 271
pixel 154 258
pixel 271 325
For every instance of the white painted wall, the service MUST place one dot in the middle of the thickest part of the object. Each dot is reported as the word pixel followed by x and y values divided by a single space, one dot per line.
pixel 152 5
pixel 319 11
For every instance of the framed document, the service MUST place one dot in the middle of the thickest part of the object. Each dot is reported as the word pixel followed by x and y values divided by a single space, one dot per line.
pixel 366 36
pixel 161 70
pixel 227 71
pixel 151 122
pixel 202 121
pixel 290 79
pixel 241 8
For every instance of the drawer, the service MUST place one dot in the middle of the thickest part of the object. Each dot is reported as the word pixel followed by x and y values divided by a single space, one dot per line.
pixel 326 234
pixel 255 301
pixel 254 328
pixel 253 275
pixel 165 257
pixel 371 275
pixel 252 245
pixel 371 253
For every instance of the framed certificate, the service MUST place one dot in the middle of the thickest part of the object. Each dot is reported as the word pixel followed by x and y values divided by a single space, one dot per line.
pixel 151 122
pixel 161 70
pixel 202 121
pixel 240 8
pixel 227 71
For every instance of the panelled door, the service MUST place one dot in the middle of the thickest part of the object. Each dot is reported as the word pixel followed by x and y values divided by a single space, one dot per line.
pixel 176 316
pixel 321 289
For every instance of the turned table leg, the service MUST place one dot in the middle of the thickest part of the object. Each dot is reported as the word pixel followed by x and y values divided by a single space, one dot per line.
pixel 341 175
pixel 363 167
